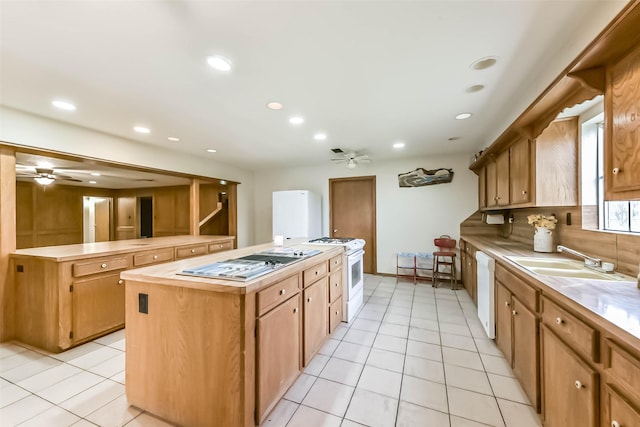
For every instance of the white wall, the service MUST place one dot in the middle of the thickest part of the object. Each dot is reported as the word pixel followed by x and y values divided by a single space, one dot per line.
pixel 28 130
pixel 408 219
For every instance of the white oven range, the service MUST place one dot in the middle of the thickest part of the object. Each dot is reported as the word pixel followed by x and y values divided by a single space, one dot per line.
pixel 352 273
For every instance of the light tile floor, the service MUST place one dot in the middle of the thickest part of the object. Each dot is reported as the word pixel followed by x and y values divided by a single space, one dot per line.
pixel 414 356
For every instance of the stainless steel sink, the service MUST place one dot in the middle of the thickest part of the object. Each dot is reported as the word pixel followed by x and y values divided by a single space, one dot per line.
pixel 555 267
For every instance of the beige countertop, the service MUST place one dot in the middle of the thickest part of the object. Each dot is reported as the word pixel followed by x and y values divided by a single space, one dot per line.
pixel 167 273
pixel 617 302
pixel 87 250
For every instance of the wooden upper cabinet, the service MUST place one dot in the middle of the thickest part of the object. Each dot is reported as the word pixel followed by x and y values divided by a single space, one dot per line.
pixel 491 189
pixel 622 128
pixel 520 171
pixel 482 188
pixel 502 179
pixel 556 164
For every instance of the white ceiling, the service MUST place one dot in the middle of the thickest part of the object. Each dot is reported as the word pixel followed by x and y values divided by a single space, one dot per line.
pixel 368 73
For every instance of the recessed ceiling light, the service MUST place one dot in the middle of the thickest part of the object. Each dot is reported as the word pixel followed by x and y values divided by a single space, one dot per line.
pixel 463 116
pixel 274 105
pixel 63 105
pixel 211 150
pixel 173 139
pixel 219 63
pixel 484 63
pixel 141 129
pixel 95 173
pixel 92 182
pixel 398 145
pixel 296 120
pixel 320 136
pixel 474 88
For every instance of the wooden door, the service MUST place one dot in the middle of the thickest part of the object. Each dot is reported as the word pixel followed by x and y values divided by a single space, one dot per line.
pixel 570 387
pixel 519 167
pixel 98 305
pixel 315 317
pixel 352 213
pixel 502 178
pixel 526 351
pixel 102 215
pixel 503 321
pixel 491 188
pixel 278 358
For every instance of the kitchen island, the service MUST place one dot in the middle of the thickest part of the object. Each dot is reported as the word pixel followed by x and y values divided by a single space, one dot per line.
pixel 70 294
pixel 213 352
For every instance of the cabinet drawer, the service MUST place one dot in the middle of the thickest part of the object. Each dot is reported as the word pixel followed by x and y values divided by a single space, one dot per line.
pixel 335 285
pixel 100 266
pixel 525 293
pixel 314 273
pixel 620 412
pixel 277 293
pixel 191 250
pixel 577 334
pixel 152 257
pixel 335 314
pixel 220 246
pixel 622 367
pixel 335 263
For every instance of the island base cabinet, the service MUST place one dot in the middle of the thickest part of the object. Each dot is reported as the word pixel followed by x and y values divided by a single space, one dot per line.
pixel 97 306
pixel 570 395
pixel 278 354
pixel 315 318
pixel 189 358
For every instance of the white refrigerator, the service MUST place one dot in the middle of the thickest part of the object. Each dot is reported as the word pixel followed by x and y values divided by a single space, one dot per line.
pixel 296 214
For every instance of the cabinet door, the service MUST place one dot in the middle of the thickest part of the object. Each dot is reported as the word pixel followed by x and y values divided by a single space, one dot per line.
pixel 622 142
pixel 491 184
pixel 526 351
pixel 570 387
pixel 315 317
pixel 519 169
pixel 97 306
pixel 503 321
pixel 482 188
pixel 502 178
pixel 619 411
pixel 278 353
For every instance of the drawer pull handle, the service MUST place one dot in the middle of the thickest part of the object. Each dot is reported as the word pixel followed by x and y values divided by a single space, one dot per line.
pixel 559 321
pixel 616 171
pixel 193 251
pixel 506 303
pixel 104 266
pixel 578 385
pixel 614 423
pixel 337 312
pixel 282 291
pixel 515 313
pixel 317 272
pixel 337 284
pixel 295 310
pixel 120 282
pixel 309 299
pixel 155 257
pixel 524 192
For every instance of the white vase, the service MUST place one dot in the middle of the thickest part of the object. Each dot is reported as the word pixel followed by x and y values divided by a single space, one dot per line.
pixel 543 240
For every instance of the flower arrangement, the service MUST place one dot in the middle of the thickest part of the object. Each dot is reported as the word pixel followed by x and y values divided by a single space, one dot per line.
pixel 543 221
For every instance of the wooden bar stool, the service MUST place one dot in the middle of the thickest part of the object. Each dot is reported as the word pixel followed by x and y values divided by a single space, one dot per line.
pixel 444 261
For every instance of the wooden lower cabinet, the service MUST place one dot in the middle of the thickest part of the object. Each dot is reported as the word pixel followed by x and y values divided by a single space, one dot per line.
pixel 570 386
pixel 504 335
pixel 526 351
pixel 617 410
pixel 335 314
pixel 97 306
pixel 315 317
pixel 278 353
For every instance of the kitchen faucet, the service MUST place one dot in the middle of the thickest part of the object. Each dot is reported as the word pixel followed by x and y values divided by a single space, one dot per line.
pixel 589 262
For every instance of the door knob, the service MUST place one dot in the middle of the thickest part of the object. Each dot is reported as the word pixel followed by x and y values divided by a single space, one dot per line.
pixel 335 230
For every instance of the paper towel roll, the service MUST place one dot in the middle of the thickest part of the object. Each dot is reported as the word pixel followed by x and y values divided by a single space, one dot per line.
pixel 494 219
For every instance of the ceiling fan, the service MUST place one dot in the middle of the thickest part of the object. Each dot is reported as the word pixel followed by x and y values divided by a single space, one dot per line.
pixel 351 159
pixel 42 175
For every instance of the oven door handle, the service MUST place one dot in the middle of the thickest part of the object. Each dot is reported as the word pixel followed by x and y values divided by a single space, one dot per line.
pixel 356 254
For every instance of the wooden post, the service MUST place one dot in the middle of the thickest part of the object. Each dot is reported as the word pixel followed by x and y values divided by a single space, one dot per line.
pixel 194 207
pixel 7 239
pixel 232 196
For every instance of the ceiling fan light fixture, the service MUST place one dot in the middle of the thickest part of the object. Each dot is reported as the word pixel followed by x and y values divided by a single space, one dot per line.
pixel 43 180
pixel 351 164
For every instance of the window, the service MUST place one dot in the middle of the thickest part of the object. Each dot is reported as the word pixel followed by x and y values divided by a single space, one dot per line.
pixel 611 215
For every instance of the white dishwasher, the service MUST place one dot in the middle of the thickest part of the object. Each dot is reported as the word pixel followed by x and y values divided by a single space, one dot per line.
pixel 486 293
